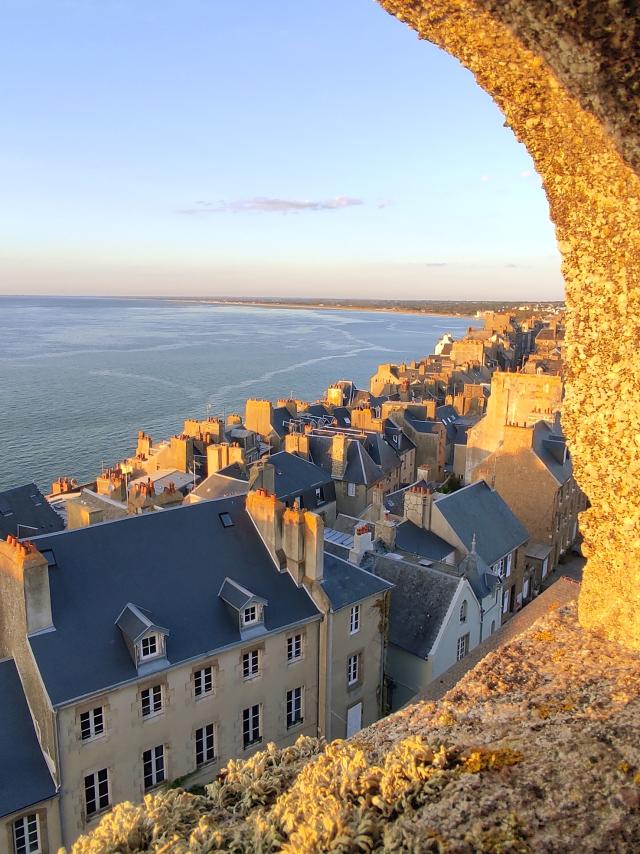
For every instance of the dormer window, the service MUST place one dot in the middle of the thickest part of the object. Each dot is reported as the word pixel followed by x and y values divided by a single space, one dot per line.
pixel 149 647
pixel 251 615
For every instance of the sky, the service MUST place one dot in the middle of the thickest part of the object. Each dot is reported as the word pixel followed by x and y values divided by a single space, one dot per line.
pixel 201 147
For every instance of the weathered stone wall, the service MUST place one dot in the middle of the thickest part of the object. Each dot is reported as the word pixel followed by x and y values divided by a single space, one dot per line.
pixel 571 96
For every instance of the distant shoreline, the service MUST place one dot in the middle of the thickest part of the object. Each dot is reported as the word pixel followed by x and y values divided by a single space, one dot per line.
pixel 322 307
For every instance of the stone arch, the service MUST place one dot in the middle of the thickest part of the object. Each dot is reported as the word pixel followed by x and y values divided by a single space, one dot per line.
pixel 566 75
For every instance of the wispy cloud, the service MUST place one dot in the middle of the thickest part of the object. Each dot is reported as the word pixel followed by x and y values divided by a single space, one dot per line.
pixel 264 204
pixel 436 264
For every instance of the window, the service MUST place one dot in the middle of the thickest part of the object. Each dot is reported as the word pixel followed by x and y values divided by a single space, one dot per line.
pixel 227 521
pixel 96 791
pixel 149 646
pixel 294 648
pixel 294 707
pixel 493 626
pixel 251 664
pixel 91 723
pixel 505 601
pixel 463 612
pixel 499 567
pixel 151 701
pixel 26 835
pixel 509 559
pixel 545 567
pixel 525 588
pixel 203 681
pixel 319 493
pixel 205 744
pixel 463 647
pixel 353 669
pixel 250 615
pixel 354 620
pixel 351 490
pixel 153 766
pixel 251 730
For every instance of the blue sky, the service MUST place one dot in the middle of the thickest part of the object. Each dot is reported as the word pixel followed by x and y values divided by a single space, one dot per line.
pixel 298 147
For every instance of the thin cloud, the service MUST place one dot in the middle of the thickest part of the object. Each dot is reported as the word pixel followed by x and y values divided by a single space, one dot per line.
pixel 436 264
pixel 526 173
pixel 264 204
pixel 485 178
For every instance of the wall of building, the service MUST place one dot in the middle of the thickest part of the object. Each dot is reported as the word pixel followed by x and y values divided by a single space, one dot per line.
pixel 128 734
pixel 369 643
pixel 444 653
pixel 409 674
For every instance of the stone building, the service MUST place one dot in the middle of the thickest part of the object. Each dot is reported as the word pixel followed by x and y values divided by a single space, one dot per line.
pixel 189 637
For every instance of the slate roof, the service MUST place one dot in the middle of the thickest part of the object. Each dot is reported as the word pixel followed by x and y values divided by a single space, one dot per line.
pixel 417 541
pixel 280 417
pixel 419 602
pixel 345 583
pixel 26 505
pixel 478 509
pixel 421 426
pixel 550 447
pixel 219 485
pixel 382 453
pixel 134 622
pixel 172 563
pixel 25 779
pixel 360 467
pixel 294 475
pixel 479 576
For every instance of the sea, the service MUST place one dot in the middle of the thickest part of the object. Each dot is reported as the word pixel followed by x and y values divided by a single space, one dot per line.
pixel 80 376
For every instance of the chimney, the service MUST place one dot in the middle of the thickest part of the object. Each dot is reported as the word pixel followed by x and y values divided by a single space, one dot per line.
pixel 293 541
pixel 143 448
pixel 297 443
pixel 263 476
pixel 385 531
pixel 377 496
pixel 266 512
pixel 417 506
pixel 23 562
pixel 362 542
pixel 339 448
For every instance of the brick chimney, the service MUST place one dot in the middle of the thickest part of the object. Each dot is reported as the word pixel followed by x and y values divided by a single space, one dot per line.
pixel 263 476
pixel 143 447
pixel 22 562
pixel 385 531
pixel 417 506
pixel 297 443
pixel 339 449
pixel 266 512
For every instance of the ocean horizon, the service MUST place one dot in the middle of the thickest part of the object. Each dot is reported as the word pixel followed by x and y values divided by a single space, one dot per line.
pixel 81 375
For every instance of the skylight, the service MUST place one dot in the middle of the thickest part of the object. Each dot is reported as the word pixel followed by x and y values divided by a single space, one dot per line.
pixel 227 521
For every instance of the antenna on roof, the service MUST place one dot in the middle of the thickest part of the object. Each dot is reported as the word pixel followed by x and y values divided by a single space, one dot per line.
pixel 473 543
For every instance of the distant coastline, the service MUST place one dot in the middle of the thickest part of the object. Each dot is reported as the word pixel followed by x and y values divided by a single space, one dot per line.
pixel 426 308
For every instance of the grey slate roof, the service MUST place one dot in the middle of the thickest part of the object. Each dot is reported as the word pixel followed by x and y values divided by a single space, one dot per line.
pixel 294 475
pixel 27 506
pixel 476 571
pixel 218 485
pixel 419 603
pixel 237 595
pixel 550 447
pixel 24 777
pixel 172 563
pixel 421 426
pixel 360 467
pixel 478 509
pixel 345 583
pixel 417 541
pixel 382 453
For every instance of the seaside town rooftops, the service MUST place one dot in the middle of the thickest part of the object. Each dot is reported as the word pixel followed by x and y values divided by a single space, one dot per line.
pixel 477 510
pixel 345 583
pixel 162 478
pixel 223 484
pixel 25 507
pixel 25 779
pixel 172 564
pixel 294 475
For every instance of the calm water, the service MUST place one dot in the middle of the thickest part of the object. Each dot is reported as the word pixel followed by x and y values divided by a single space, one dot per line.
pixel 80 377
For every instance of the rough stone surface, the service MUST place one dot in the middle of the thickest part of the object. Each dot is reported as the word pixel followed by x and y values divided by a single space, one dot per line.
pixel 536 749
pixel 572 98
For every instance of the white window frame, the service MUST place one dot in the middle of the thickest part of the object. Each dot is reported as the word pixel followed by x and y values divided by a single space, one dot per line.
pixel 506 598
pixel 251 661
pixel 319 493
pixel 295 642
pixel 153 696
pixel 498 567
pixel 157 641
pixel 205 744
pixel 95 729
pixel 295 708
pixel 27 824
pixel 353 669
pixel 509 561
pixel 201 677
pixel 98 797
pixel 545 567
pixel 157 762
pixel 354 620
pixel 462 648
pixel 253 729
pixel 351 489
pixel 254 615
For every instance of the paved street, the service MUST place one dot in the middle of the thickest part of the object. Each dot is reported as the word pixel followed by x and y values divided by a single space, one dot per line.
pixel 572 569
